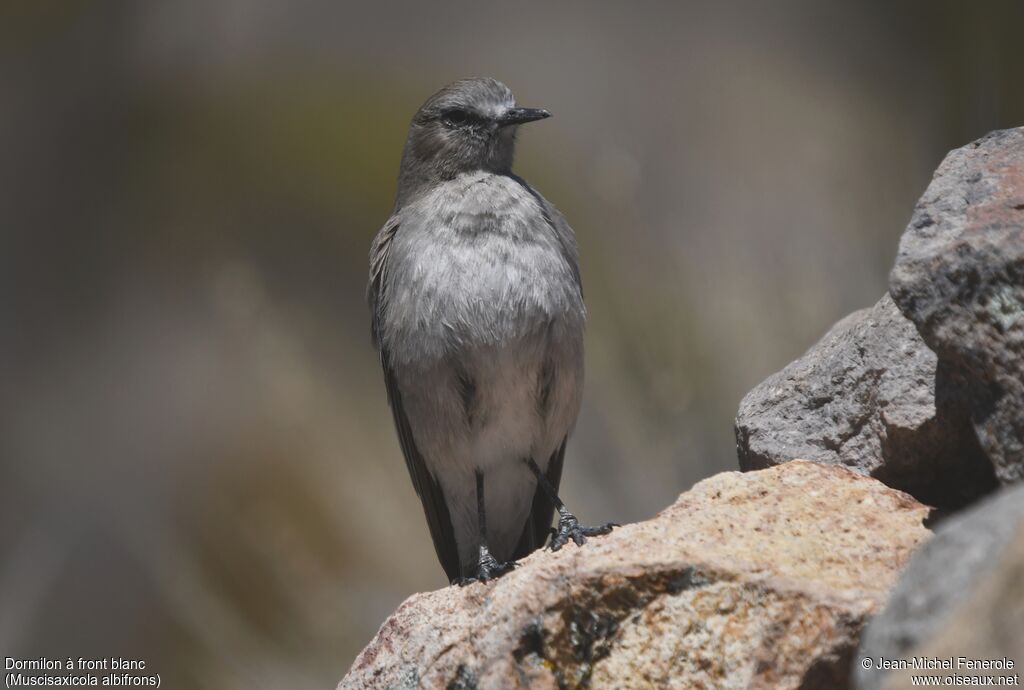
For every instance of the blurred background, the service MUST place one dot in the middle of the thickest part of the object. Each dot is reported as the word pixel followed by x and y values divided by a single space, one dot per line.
pixel 197 465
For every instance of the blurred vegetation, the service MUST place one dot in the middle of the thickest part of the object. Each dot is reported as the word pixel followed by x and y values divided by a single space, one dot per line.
pixel 198 466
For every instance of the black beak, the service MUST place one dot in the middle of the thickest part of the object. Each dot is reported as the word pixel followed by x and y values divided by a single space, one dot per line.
pixel 518 116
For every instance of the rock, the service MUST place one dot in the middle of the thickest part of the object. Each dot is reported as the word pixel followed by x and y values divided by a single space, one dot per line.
pixel 959 276
pixel 865 397
pixel 757 580
pixel 954 569
pixel 987 625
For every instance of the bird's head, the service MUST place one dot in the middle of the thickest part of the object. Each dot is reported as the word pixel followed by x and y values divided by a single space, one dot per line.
pixel 468 125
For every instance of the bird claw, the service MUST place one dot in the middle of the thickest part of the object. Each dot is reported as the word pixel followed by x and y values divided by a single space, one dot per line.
pixel 570 528
pixel 487 568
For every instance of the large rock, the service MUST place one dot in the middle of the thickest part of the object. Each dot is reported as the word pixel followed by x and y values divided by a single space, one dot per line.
pixel 869 396
pixel 757 580
pixel 947 574
pixel 959 277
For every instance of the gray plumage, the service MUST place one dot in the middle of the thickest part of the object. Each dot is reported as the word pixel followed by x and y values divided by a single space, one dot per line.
pixel 478 315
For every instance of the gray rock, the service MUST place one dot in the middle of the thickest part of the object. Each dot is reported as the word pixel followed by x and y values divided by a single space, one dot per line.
pixel 942 575
pixel 869 396
pixel 959 277
pixel 989 624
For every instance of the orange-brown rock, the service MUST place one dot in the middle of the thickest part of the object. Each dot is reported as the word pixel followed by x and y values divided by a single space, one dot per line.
pixel 756 580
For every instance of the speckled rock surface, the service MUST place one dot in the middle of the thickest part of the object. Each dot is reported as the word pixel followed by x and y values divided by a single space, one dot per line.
pixel 755 580
pixel 869 396
pixel 959 276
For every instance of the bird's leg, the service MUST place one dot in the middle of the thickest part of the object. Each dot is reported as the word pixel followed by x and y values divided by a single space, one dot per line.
pixel 487 566
pixel 568 526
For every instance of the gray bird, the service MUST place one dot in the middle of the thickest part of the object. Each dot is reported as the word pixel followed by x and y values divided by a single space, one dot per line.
pixel 478 316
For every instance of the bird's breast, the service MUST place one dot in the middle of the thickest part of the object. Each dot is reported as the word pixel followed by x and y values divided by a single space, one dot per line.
pixel 482 268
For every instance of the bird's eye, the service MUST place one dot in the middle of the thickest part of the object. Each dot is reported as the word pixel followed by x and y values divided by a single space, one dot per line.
pixel 456 118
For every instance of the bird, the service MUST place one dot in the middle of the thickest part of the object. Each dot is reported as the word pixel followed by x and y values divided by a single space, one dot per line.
pixel 477 313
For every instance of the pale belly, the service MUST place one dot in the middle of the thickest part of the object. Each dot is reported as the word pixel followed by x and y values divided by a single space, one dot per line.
pixel 503 426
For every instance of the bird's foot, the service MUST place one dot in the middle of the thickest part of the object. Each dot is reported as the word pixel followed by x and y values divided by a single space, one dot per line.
pixel 487 568
pixel 570 528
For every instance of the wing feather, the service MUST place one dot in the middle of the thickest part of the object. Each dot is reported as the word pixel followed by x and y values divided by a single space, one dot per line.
pixel 431 496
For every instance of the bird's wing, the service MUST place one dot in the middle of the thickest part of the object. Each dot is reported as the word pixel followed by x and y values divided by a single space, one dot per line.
pixel 538 526
pixel 434 506
pixel 375 293
pixel 563 232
